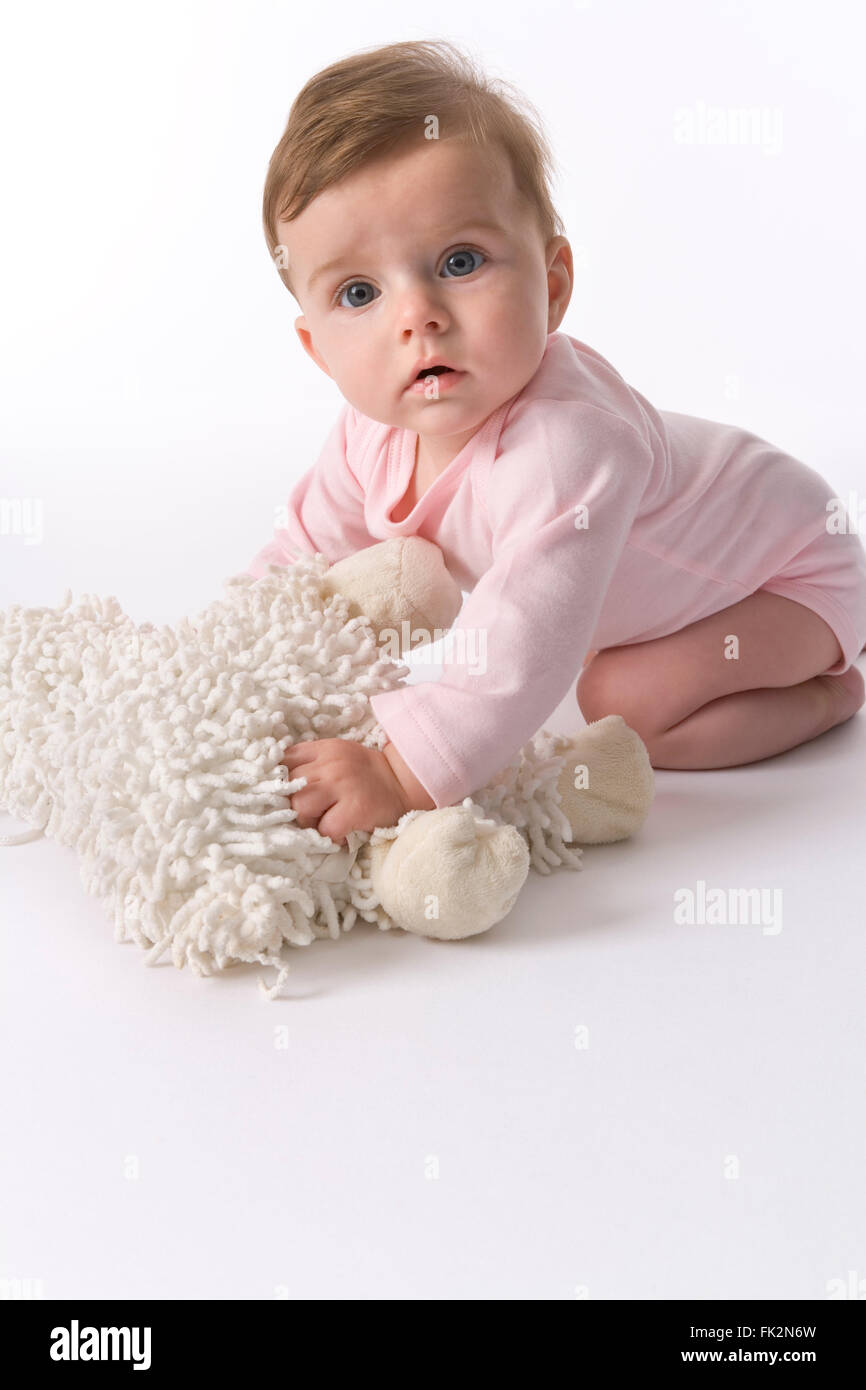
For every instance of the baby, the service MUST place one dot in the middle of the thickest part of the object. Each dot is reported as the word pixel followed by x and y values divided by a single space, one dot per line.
pixel 699 581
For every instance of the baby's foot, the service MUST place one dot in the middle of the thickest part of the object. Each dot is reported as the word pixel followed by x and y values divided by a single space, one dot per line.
pixel 846 693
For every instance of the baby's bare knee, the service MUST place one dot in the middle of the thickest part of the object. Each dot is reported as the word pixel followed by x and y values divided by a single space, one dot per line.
pixel 588 695
pixel 651 689
pixel 603 689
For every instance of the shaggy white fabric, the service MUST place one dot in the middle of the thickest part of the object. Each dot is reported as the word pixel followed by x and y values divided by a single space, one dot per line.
pixel 525 794
pixel 155 754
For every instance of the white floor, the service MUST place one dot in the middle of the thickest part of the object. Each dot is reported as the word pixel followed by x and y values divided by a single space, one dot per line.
pixel 594 1100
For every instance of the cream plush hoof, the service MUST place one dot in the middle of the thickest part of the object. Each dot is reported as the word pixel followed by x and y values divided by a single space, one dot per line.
pixel 404 576
pixel 607 784
pixel 449 874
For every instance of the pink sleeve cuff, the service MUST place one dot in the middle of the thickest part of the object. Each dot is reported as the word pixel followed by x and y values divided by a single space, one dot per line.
pixel 420 743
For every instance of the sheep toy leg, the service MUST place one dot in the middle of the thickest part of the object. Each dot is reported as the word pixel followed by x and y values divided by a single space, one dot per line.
pixel 607 784
pixel 450 873
pixel 456 872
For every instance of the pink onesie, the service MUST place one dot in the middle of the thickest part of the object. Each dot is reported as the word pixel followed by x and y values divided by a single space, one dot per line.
pixel 577 517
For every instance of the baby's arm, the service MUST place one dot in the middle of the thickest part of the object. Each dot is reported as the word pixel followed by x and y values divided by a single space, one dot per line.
pixel 417 796
pixel 561 503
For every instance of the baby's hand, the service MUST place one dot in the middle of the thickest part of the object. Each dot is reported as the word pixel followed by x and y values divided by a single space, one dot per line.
pixel 349 787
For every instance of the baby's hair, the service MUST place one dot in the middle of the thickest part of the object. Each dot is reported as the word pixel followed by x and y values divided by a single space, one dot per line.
pixel 376 101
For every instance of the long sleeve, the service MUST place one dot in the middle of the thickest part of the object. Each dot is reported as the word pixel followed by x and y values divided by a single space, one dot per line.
pixel 561 498
pixel 325 508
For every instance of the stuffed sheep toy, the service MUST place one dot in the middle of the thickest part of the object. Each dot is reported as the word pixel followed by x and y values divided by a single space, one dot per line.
pixel 156 754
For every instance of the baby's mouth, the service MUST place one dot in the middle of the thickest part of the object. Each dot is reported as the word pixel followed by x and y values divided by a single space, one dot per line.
pixel 449 377
pixel 432 371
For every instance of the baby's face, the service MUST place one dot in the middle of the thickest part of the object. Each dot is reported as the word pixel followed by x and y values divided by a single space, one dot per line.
pixel 434 255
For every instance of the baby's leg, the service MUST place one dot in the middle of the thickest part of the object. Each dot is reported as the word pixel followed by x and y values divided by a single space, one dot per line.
pixel 697 707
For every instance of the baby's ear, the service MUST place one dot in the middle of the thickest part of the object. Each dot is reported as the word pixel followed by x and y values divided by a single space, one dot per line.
pixel 306 338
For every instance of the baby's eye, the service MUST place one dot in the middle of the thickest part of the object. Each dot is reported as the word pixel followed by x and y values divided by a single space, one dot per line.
pixel 361 292
pixel 363 289
pixel 460 263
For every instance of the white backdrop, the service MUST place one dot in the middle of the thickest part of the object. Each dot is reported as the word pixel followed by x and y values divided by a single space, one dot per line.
pixel 155 403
